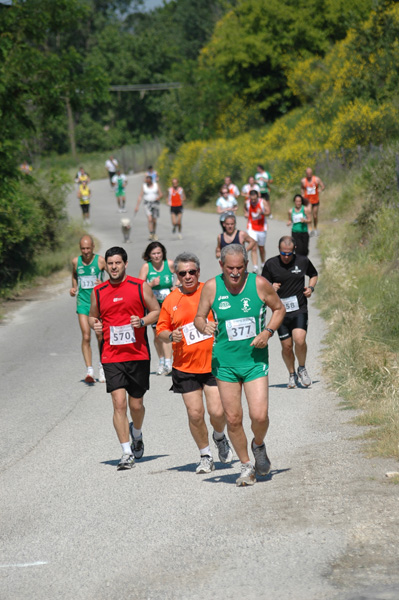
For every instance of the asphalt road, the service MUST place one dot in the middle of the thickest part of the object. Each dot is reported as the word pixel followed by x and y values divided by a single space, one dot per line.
pixel 322 525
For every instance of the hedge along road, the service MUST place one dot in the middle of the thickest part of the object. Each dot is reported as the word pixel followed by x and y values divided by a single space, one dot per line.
pixel 321 525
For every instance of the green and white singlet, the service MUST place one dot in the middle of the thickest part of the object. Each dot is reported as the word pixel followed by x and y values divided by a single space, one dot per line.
pixel 165 282
pixel 87 280
pixel 296 218
pixel 240 318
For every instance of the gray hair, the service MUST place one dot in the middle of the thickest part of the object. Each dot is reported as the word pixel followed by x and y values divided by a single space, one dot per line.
pixel 233 249
pixel 185 257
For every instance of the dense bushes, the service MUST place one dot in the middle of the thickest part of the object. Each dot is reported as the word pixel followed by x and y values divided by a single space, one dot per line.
pixel 32 218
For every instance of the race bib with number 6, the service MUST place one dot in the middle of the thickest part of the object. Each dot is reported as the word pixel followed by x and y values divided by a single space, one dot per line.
pixel 241 329
pixel 290 303
pixel 121 335
pixel 192 335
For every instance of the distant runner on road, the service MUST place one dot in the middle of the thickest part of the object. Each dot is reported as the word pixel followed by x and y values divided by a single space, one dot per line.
pixel 192 352
pixel 255 213
pixel 226 202
pixel 264 179
pixel 151 193
pixel 311 186
pixel 87 272
pixel 233 189
pixel 121 308
pixel 248 187
pixel 287 274
pixel 176 199
pixel 240 354
pixel 84 196
pixel 111 164
pixel 119 183
pixel 300 216
pixel 152 173
pixel 231 235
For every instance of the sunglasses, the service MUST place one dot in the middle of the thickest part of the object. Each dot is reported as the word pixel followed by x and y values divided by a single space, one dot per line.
pixel 190 272
pixel 286 253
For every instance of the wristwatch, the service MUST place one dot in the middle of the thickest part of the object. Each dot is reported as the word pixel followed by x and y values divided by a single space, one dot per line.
pixel 311 288
pixel 142 324
pixel 271 331
pixel 171 337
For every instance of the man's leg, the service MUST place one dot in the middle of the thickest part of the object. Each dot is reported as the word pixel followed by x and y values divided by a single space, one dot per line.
pixel 315 213
pixel 137 412
pixel 196 412
pixel 254 256
pixel 86 348
pixel 230 396
pixel 215 408
pixel 179 216
pixel 299 339
pixel 287 353
pixel 150 224
pixel 120 419
pixel 257 394
pixel 262 254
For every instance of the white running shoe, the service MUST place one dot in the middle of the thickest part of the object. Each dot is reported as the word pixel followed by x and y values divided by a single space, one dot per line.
pixel 304 377
pixel 205 465
pixel 90 375
pixel 101 374
pixel 160 370
pixel 247 475
pixel 255 269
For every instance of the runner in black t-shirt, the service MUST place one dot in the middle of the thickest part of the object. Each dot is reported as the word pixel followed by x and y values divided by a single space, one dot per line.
pixel 287 274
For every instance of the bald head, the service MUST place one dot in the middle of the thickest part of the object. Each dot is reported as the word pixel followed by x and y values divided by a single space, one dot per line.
pixel 309 173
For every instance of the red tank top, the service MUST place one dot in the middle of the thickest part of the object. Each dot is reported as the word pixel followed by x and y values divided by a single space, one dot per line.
pixel 175 196
pixel 116 304
pixel 256 219
pixel 311 190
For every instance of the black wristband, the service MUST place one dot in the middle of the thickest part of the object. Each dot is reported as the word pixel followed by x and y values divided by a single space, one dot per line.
pixel 271 331
pixel 171 337
pixel 311 288
pixel 142 324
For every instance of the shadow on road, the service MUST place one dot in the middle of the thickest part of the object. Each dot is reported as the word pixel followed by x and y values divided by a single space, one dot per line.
pixel 231 477
pixel 113 463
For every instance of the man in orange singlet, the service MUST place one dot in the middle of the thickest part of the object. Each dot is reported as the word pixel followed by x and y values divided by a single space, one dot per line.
pixel 311 185
pixel 256 212
pixel 192 357
pixel 176 199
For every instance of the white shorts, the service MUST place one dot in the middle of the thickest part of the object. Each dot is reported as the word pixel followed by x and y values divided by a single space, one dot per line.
pixel 258 236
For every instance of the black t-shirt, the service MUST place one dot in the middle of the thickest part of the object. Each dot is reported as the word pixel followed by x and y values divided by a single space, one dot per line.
pixel 291 277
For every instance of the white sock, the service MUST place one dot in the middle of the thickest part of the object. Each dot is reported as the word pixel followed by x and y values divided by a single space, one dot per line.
pixel 90 370
pixel 137 433
pixel 126 449
pixel 218 436
pixel 168 362
pixel 205 451
pixel 162 360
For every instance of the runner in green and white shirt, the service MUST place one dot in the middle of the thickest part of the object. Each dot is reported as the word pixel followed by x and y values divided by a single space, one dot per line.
pixel 238 300
pixel 264 179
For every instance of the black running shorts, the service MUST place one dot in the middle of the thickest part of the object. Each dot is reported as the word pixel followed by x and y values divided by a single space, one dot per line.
pixel 176 209
pixel 294 321
pixel 183 383
pixel 133 376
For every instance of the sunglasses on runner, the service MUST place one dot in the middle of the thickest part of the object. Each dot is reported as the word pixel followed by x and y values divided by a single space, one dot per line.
pixel 286 253
pixel 190 272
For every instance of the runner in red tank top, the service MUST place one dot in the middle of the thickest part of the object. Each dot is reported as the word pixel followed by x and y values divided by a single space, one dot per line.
pixel 311 185
pixel 117 312
pixel 176 199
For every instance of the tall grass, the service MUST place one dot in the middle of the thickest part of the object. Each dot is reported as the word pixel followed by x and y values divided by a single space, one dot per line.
pixel 358 295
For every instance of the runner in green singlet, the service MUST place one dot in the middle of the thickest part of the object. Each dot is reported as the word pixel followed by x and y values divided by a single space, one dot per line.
pixel 87 272
pixel 240 354
pixel 158 272
pixel 300 216
pixel 119 183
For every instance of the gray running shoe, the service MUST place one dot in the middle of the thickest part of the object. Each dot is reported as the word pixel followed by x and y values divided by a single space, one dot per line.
pixel 247 475
pixel 262 462
pixel 126 462
pixel 224 450
pixel 137 445
pixel 205 465
pixel 292 381
pixel 304 377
